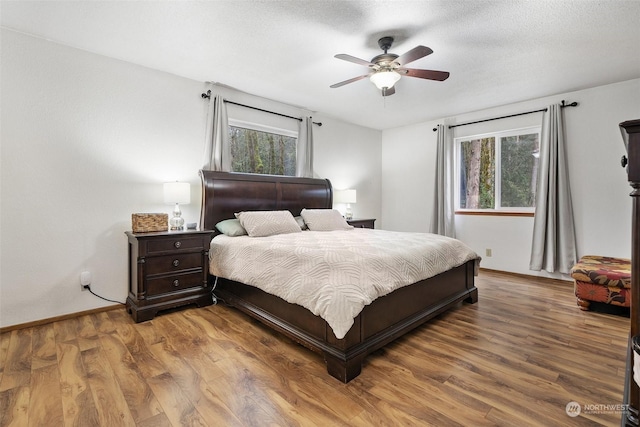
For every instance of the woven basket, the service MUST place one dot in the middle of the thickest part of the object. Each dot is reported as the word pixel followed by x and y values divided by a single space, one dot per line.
pixel 147 222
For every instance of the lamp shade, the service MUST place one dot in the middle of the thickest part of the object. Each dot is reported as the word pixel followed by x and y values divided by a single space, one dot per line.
pixel 344 196
pixel 384 79
pixel 177 192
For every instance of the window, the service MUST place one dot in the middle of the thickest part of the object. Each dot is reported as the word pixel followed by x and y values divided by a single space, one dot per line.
pixel 262 149
pixel 498 171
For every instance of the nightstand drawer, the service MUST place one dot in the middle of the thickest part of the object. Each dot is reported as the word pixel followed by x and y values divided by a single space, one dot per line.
pixel 173 263
pixel 162 285
pixel 177 243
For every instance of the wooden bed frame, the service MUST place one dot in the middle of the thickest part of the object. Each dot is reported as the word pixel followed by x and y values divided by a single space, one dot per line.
pixel 384 320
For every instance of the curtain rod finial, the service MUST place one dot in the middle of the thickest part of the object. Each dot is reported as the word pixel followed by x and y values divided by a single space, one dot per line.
pixel 573 104
pixel 206 95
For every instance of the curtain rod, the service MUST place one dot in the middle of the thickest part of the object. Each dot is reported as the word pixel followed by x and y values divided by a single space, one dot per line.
pixel 562 105
pixel 208 95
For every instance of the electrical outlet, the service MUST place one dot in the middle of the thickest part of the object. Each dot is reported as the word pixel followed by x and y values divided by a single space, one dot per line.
pixel 487 252
pixel 85 280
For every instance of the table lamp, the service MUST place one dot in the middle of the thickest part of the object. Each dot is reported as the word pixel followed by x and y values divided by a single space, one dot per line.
pixel 177 192
pixel 347 197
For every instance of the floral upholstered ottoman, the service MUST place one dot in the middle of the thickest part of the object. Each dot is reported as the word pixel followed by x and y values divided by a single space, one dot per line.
pixel 602 279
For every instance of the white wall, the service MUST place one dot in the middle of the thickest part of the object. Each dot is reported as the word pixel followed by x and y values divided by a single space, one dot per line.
pixel 408 177
pixel 350 156
pixel 601 201
pixel 86 141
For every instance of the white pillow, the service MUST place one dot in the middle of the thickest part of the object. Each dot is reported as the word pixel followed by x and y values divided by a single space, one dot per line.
pixel 268 223
pixel 324 220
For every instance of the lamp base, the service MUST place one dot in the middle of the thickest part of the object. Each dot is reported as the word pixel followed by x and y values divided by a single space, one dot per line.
pixel 348 214
pixel 176 222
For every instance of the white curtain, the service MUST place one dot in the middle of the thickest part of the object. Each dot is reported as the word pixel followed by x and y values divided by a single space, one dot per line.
pixel 217 150
pixel 554 240
pixel 442 219
pixel 304 160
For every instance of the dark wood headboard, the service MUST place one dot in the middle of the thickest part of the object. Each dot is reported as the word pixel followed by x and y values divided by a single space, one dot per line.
pixel 225 193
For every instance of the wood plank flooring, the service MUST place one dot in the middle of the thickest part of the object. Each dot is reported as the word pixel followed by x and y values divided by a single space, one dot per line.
pixel 517 357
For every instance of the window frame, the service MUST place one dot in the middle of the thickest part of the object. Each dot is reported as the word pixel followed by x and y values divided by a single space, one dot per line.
pixel 263 128
pixel 497 135
pixel 259 127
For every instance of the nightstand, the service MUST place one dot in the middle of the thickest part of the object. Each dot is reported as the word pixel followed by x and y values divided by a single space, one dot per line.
pixel 362 222
pixel 166 270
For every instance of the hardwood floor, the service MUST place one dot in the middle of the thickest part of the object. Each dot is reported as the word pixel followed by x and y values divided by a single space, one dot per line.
pixel 517 357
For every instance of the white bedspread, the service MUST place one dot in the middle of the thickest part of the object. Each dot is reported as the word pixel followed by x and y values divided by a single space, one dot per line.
pixel 334 274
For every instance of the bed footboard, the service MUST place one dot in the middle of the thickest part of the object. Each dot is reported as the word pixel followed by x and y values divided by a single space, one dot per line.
pixel 381 322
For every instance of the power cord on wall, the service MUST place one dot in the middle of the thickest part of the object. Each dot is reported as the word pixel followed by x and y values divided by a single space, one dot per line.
pixel 213 295
pixel 88 287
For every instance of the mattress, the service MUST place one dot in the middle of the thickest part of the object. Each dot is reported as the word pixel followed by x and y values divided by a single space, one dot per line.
pixel 335 274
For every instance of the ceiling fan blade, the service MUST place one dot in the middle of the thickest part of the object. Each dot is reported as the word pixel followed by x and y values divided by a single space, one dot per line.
pixel 424 74
pixel 353 59
pixel 388 91
pixel 355 79
pixel 415 53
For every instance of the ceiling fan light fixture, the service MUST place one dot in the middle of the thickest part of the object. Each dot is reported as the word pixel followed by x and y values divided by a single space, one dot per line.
pixel 384 70
pixel 385 78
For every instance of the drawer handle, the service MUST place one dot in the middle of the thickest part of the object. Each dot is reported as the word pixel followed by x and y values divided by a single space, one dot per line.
pixel 176 283
pixel 177 244
pixel 176 263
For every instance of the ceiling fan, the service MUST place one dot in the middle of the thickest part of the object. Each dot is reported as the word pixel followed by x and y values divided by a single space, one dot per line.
pixel 387 68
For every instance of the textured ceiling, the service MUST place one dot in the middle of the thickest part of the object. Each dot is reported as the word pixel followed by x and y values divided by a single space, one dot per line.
pixel 498 52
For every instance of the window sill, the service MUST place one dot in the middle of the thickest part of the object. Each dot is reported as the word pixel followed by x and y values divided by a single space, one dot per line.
pixel 495 213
